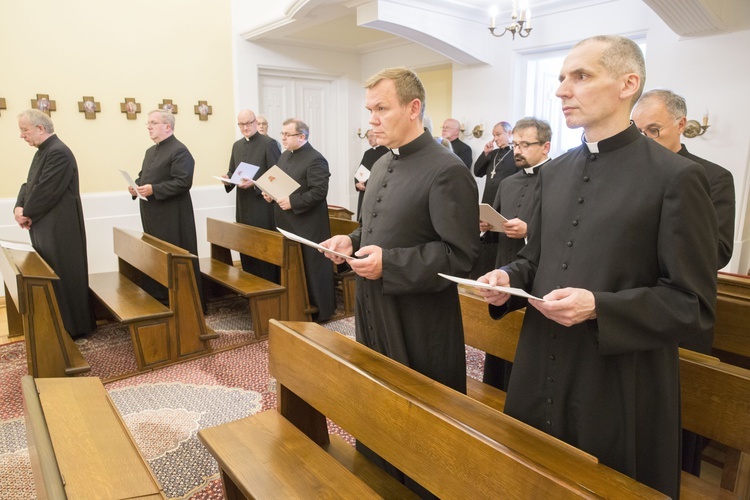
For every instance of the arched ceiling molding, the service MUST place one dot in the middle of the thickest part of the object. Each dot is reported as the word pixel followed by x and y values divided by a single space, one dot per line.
pixel 457 33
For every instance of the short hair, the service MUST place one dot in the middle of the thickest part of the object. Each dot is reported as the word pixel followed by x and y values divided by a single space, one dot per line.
pixel 543 130
pixel 621 56
pixel 407 83
pixel 674 103
pixel 299 126
pixel 505 125
pixel 261 117
pixel 37 118
pixel 166 116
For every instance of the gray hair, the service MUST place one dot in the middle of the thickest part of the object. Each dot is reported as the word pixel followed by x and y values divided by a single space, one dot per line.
pixel 621 56
pixel 674 103
pixel 543 130
pixel 505 125
pixel 37 118
pixel 299 126
pixel 166 116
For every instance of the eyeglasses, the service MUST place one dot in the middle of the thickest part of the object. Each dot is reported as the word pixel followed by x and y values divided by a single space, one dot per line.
pixel 284 134
pixel 154 124
pixel 245 124
pixel 524 145
pixel 654 132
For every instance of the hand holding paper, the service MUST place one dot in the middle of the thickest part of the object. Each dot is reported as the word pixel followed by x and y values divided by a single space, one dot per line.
pixel 132 185
pixel 244 172
pixel 312 244
pixel 492 217
pixel 477 284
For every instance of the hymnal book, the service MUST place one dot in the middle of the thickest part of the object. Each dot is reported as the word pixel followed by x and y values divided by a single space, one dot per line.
pixel 491 216
pixel 243 172
pixel 276 183
pixel 312 244
pixel 362 174
pixel 132 184
pixel 476 284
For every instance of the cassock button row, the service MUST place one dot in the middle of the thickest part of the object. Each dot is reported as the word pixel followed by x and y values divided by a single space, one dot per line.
pixel 378 199
pixel 523 194
pixel 592 157
pixel 369 230
pixel 575 222
pixel 570 244
pixel 586 178
pixel 550 379
pixel 518 205
pixel 549 401
pixel 564 266
pixel 580 200
pixel 385 184
pixel 549 423
pixel 390 170
pixel 374 214
pixel 551 357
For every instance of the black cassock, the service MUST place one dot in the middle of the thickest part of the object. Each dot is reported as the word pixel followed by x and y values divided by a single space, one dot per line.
pixel 251 208
pixel 496 166
pixel 308 218
pixel 168 213
pixel 633 224
pixel 51 199
pixel 463 151
pixel 368 160
pixel 420 208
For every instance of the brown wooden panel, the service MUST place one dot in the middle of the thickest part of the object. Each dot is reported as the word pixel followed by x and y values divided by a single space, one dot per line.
pixel 151 341
pixel 93 447
pixel 11 276
pixel 342 226
pixel 131 247
pixel 732 329
pixel 265 456
pixel 237 280
pixel 497 337
pixel 125 300
pixel 405 416
pixel 260 243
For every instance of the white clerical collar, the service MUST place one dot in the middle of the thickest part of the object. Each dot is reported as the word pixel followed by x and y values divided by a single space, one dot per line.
pixel 395 151
pixel 593 147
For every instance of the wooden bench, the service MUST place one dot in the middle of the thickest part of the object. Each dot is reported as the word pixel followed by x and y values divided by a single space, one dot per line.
pixel 715 395
pixel 78 444
pixel 732 330
pixel 288 300
pixel 161 335
pixel 444 440
pixel 32 311
pixel 339 212
pixel 346 279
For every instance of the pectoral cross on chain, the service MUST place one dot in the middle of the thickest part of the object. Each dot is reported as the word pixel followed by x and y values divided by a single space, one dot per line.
pixel 492 174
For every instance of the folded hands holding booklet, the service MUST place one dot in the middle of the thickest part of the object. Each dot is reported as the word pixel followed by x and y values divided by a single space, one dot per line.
pixel 477 284
pixel 244 172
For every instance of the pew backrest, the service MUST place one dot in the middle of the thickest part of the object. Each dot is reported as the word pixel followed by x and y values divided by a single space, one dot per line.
pixel 732 328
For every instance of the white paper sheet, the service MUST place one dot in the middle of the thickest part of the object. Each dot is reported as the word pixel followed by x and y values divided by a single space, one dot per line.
pixel 132 184
pixel 16 245
pixel 309 243
pixel 476 284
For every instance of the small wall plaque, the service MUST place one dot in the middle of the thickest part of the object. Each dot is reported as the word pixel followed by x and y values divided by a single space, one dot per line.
pixel 89 107
pixel 130 108
pixel 44 104
pixel 203 110
pixel 168 105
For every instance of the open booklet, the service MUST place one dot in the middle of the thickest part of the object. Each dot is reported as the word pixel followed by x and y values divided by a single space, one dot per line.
pixel 492 216
pixel 132 184
pixel 243 172
pixel 276 183
pixel 309 243
pixel 476 284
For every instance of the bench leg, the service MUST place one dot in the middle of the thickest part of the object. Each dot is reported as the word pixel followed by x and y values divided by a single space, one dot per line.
pixel 15 321
pixel 348 284
pixel 151 342
pixel 231 492
pixel 261 310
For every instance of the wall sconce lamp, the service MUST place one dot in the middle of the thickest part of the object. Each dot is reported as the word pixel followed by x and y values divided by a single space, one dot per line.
pixel 477 131
pixel 360 134
pixel 694 129
pixel 518 25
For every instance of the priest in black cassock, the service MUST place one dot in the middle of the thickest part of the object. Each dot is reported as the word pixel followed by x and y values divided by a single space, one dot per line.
pixel 368 160
pixel 49 206
pixel 661 115
pixel 515 201
pixel 419 218
pixel 305 211
pixel 450 130
pixel 251 209
pixel 165 180
pixel 496 163
pixel 622 247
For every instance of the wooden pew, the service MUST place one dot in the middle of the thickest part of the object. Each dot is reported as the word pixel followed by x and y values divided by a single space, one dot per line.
pixel 339 212
pixel 32 310
pixel 715 396
pixel 78 444
pixel 347 278
pixel 289 300
pixel 732 329
pixel 161 335
pixel 449 443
